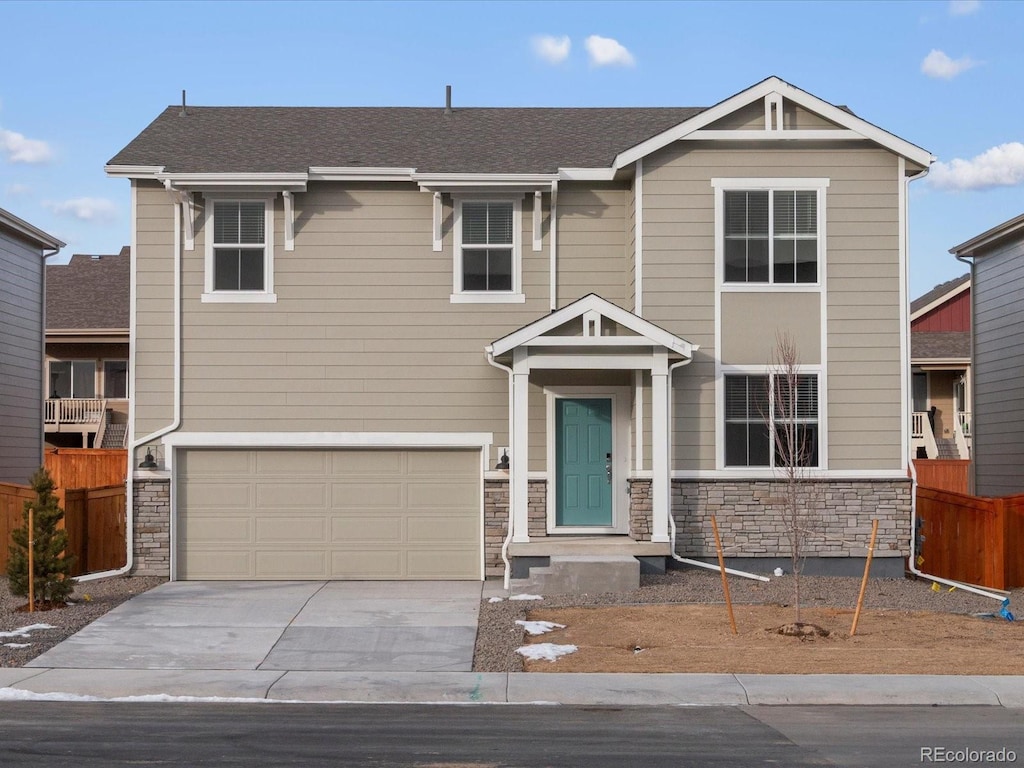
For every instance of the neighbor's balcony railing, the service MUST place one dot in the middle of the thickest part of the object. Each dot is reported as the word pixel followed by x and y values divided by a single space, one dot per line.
pixel 74 410
pixel 962 433
pixel 921 434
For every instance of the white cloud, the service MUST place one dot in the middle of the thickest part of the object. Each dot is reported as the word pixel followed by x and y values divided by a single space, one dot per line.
pixel 938 64
pixel 16 190
pixel 85 208
pixel 20 149
pixel 963 7
pixel 1001 166
pixel 604 51
pixel 553 50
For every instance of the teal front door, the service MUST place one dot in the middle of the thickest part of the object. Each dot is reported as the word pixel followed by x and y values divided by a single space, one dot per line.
pixel 583 461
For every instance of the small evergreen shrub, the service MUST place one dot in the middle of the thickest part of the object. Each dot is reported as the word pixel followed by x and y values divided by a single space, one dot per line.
pixel 51 564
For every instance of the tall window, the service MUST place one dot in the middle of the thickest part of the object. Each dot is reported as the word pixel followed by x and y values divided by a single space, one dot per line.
pixel 487 251
pixel 756 406
pixel 115 379
pixel 73 378
pixel 239 243
pixel 770 236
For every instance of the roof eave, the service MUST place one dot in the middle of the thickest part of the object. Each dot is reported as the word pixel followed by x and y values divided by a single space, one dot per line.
pixel 970 248
pixel 30 232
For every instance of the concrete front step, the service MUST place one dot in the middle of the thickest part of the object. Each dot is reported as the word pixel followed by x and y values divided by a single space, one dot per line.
pixel 566 574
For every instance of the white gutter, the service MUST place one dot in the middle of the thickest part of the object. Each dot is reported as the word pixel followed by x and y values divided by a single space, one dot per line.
pixel 507 577
pixel 176 423
pixel 671 517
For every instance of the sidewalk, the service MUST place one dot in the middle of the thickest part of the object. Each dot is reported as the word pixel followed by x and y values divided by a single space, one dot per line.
pixel 515 688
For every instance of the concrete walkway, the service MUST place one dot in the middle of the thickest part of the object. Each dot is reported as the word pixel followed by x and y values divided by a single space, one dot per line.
pixel 392 642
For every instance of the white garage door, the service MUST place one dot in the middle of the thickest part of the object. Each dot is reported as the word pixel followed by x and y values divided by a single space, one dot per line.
pixel 329 514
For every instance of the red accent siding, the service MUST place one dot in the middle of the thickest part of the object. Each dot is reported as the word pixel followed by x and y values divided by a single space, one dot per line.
pixel 954 315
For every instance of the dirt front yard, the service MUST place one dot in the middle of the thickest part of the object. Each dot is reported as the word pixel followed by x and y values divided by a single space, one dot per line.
pixel 698 638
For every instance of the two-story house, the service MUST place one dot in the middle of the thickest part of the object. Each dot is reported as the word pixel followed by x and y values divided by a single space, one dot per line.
pixel 417 343
pixel 940 359
pixel 87 308
pixel 23 252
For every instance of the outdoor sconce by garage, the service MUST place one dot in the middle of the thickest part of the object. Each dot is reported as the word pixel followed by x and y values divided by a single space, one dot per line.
pixel 149 462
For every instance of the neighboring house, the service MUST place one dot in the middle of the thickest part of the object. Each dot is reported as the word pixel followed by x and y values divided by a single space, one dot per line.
pixel 997 317
pixel 87 303
pixel 23 252
pixel 408 343
pixel 940 356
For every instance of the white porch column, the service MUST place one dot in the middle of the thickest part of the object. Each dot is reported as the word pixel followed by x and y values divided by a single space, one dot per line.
pixel 520 447
pixel 661 490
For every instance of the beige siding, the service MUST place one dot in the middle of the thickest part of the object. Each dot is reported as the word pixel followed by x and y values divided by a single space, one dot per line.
pixel 863 301
pixel 748 340
pixel 591 231
pixel 751 118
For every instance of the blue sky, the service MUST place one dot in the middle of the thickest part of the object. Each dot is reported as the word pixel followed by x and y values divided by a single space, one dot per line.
pixel 82 79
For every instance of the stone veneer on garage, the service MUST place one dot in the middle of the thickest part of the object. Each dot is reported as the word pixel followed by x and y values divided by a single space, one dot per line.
pixel 151 513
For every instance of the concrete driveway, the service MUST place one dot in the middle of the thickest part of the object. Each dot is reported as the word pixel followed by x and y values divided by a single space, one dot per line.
pixel 302 626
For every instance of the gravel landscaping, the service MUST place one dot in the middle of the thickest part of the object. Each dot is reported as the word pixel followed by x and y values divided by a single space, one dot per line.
pixel 499 635
pixel 90 600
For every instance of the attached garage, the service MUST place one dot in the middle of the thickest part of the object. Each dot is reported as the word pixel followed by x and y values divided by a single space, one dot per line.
pixel 346 513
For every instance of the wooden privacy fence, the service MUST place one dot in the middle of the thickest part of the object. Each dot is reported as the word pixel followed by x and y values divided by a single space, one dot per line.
pixel 86 468
pixel 973 539
pixel 93 517
pixel 943 474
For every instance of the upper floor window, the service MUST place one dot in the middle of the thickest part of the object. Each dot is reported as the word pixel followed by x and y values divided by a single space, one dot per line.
pixel 239 250
pixel 769 422
pixel 115 379
pixel 487 250
pixel 73 378
pixel 770 234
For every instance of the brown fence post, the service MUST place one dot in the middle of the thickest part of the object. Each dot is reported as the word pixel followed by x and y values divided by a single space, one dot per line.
pixel 999 543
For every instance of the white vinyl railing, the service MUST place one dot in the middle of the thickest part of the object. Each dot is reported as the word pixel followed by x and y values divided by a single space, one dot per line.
pixel 921 434
pixel 73 410
pixel 962 433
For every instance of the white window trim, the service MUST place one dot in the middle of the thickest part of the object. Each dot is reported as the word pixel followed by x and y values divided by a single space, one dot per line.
pixel 267 295
pixel 722 185
pixel 516 295
pixel 96 369
pixel 766 370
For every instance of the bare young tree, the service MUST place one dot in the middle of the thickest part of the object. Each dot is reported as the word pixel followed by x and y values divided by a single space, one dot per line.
pixel 793 435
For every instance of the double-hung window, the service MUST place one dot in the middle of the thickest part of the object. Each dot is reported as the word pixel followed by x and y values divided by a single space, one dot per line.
pixel 771 235
pixel 487 250
pixel 239 250
pixel 771 420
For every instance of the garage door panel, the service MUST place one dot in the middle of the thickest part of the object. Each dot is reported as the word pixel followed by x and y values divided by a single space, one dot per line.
pixel 386 514
pixel 367 564
pixel 291 564
pixel 442 495
pixel 383 495
pixel 366 528
pixel 292 463
pixel 291 494
pixel 440 529
pixel 287 529
pixel 204 493
pixel 387 463
pixel 440 564
pixel 216 564
pixel 212 530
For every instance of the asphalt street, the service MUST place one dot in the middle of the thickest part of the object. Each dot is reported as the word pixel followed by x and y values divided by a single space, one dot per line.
pixel 90 735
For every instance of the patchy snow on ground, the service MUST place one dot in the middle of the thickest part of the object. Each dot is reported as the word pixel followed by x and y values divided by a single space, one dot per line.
pixel 539 627
pixel 526 597
pixel 26 631
pixel 548 651
pixel 495 600
pixel 17 645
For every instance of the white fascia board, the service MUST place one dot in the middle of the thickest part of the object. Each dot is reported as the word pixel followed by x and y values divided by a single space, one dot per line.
pixel 329 439
pixel 30 232
pixel 359 173
pixel 787 91
pixel 952 294
pixel 839 134
pixel 511 182
pixel 293 181
pixel 593 303
pixel 970 248
pixel 940 363
pixel 133 171
pixel 586 174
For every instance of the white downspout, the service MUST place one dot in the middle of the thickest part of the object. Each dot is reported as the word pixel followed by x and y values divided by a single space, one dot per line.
pixel 176 422
pixel 671 517
pixel 507 578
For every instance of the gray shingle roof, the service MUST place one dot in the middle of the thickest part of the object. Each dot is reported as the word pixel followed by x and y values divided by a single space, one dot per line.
pixel 89 292
pixel 466 140
pixel 938 292
pixel 941 345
